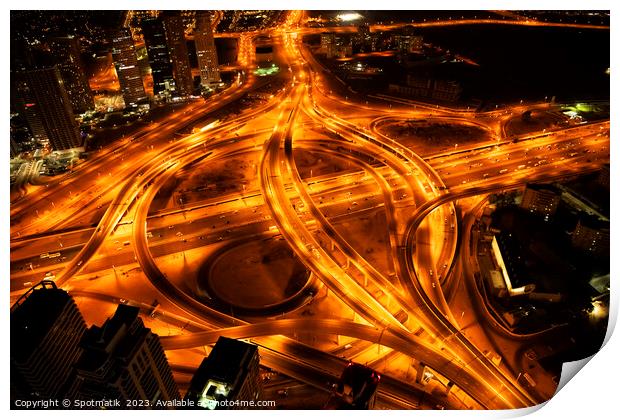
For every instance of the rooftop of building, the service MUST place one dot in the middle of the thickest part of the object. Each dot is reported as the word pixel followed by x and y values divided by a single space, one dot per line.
pixel 541 253
pixel 225 361
pixel 543 188
pixel 589 189
pixel 593 222
pixel 116 338
pixel 512 253
pixel 32 318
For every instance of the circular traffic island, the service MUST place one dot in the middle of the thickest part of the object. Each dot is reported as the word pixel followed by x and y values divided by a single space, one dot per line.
pixel 256 278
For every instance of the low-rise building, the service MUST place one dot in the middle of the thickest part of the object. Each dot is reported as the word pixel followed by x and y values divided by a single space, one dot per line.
pixel 508 265
pixel 429 88
pixel 230 373
pixel 592 235
pixel 541 199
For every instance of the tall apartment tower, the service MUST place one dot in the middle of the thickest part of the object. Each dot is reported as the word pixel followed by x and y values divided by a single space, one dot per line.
pixel 157 50
pixel 66 51
pixel 122 360
pixel 46 329
pixel 46 106
pixel 205 50
pixel 230 373
pixel 127 70
pixel 177 47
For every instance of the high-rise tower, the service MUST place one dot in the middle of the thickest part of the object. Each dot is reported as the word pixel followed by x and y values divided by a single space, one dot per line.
pixel 230 373
pixel 157 50
pixel 66 51
pixel 205 50
pixel 46 329
pixel 126 63
pixel 45 104
pixel 122 360
pixel 177 47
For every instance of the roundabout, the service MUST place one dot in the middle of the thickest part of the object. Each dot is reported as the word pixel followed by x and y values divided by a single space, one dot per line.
pixel 261 277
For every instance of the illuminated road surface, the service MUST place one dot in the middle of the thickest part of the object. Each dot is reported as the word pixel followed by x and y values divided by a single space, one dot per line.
pixel 416 194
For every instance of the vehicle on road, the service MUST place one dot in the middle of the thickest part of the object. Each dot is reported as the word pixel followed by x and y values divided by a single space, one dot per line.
pixel 529 379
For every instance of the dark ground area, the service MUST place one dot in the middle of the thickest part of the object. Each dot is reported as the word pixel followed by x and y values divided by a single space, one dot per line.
pixel 519 62
pixel 514 63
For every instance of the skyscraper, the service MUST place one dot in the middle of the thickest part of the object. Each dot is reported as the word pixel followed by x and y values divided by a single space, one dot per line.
pixel 66 51
pixel 122 360
pixel 231 372
pixel 45 104
pixel 205 50
pixel 177 46
pixel 157 50
pixel 46 328
pixel 126 63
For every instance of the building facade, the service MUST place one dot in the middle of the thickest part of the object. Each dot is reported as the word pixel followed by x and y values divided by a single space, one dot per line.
pixel 127 70
pixel 45 104
pixel 157 51
pixel 231 372
pixel 409 43
pixel 177 47
pixel 426 87
pixel 122 360
pixel 205 50
pixel 66 51
pixel 592 235
pixel 541 199
pixel 328 44
pixel 336 45
pixel 46 329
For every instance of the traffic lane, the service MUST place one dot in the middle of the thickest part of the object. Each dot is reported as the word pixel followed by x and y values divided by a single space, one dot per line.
pixel 366 200
pixel 177 238
pixel 49 242
pixel 220 101
pixel 527 153
pixel 386 337
pixel 106 162
pixel 515 149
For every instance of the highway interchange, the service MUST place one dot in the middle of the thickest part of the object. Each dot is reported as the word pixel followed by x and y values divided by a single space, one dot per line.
pixel 97 219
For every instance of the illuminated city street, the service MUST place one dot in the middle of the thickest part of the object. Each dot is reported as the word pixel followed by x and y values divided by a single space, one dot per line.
pixel 283 202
